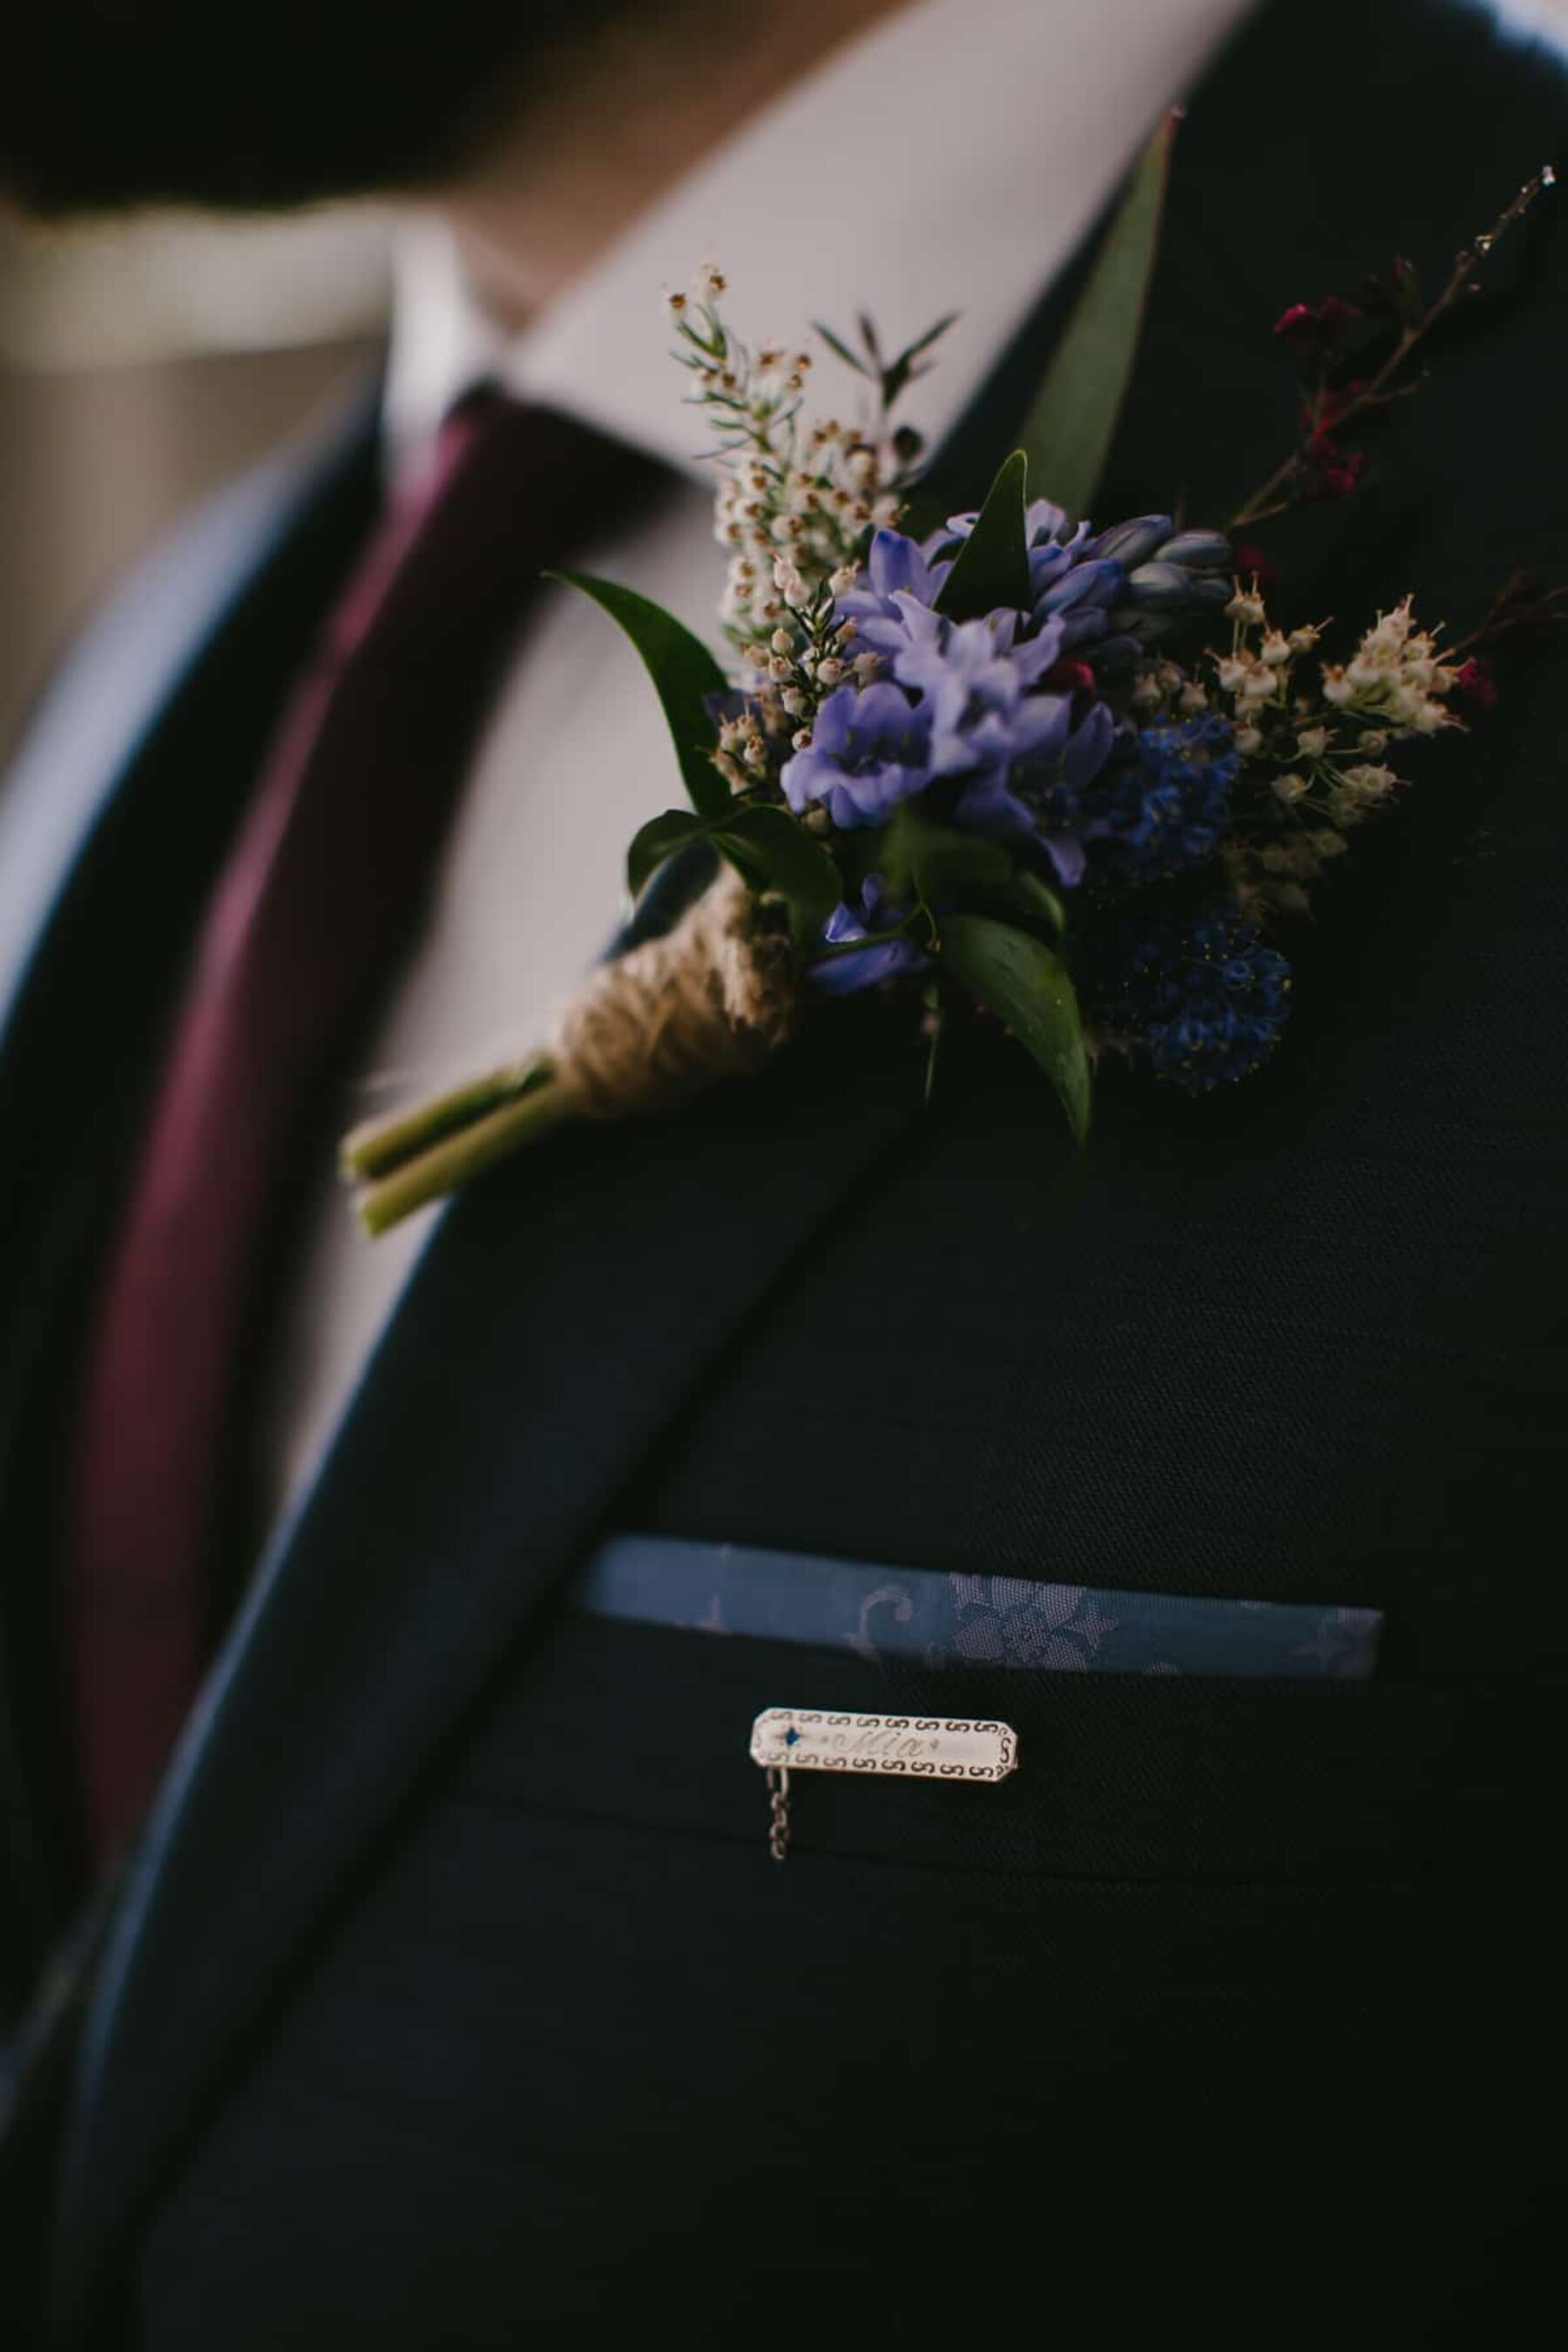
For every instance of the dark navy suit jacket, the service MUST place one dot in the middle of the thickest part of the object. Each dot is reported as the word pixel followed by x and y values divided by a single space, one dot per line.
pixel 453 1994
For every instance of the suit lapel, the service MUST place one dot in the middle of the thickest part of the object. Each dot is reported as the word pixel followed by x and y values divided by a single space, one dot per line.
pixel 125 791
pixel 576 1299
pixel 172 639
pixel 111 820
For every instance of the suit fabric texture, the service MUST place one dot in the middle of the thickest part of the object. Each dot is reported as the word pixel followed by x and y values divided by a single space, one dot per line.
pixel 453 1991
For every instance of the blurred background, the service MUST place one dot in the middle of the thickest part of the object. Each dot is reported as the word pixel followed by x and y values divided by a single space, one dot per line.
pixel 139 366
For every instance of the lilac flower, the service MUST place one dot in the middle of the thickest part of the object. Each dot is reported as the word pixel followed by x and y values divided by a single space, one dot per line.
pixel 873 911
pixel 895 568
pixel 870 748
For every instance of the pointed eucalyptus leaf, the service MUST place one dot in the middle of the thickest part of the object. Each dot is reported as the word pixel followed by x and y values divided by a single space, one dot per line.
pixel 1022 980
pixel 993 566
pixel 773 852
pixel 684 673
pixel 660 838
pixel 1068 431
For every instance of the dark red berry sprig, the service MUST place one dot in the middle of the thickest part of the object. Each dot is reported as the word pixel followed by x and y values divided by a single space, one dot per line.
pixel 1324 465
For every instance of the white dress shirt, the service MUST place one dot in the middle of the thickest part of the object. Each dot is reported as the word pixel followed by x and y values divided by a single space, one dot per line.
pixel 950 159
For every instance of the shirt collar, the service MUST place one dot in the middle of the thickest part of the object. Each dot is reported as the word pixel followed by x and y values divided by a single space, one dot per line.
pixel 950 159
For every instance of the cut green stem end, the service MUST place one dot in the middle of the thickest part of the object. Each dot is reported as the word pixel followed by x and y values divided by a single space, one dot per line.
pixel 431 1174
pixel 382 1146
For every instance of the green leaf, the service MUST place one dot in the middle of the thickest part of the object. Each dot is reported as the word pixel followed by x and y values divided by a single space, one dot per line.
pixel 1030 895
pixel 769 847
pixel 899 374
pixel 773 852
pixel 1019 978
pixel 763 844
pixel 840 349
pixel 932 334
pixel 1068 431
pixel 923 858
pixel 993 567
pixel 660 838
pixel 940 866
pixel 684 673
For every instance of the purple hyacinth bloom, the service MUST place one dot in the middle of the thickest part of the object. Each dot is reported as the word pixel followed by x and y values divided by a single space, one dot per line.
pixel 1069 580
pixel 895 568
pixel 1095 584
pixel 845 975
pixel 972 705
pixel 870 748
pixel 1053 547
pixel 1005 739
pixel 1131 581
pixel 1133 542
pixel 977 679
pixel 1034 800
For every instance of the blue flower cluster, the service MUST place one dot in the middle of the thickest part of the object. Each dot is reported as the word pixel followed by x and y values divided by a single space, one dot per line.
pixel 1160 805
pixel 1197 997
pixel 1004 716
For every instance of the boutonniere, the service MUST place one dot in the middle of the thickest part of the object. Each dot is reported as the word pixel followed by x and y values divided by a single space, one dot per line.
pixel 1075 777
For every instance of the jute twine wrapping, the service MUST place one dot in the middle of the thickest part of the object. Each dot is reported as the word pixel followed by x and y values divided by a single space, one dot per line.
pixel 713 999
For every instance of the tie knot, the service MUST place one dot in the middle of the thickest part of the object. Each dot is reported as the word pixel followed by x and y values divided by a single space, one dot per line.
pixel 466 419
pixel 500 476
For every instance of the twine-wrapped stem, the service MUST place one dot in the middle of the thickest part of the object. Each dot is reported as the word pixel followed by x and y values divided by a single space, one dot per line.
pixel 712 999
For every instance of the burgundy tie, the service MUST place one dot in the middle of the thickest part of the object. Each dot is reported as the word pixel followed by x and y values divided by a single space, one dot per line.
pixel 321 888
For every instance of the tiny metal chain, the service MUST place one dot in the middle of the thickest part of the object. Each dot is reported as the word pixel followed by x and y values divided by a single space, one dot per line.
pixel 778 1832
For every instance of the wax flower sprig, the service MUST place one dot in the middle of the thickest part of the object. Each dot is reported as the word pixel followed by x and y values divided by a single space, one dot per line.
pixel 1317 744
pixel 1070 778
pixel 795 504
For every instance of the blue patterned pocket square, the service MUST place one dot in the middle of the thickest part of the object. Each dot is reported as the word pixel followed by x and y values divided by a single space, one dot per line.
pixel 957 1621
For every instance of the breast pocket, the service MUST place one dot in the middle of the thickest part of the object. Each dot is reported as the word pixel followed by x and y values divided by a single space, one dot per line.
pixel 1186 1971
pixel 1129 1778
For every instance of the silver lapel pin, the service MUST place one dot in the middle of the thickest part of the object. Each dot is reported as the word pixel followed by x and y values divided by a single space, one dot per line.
pixel 786 1739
